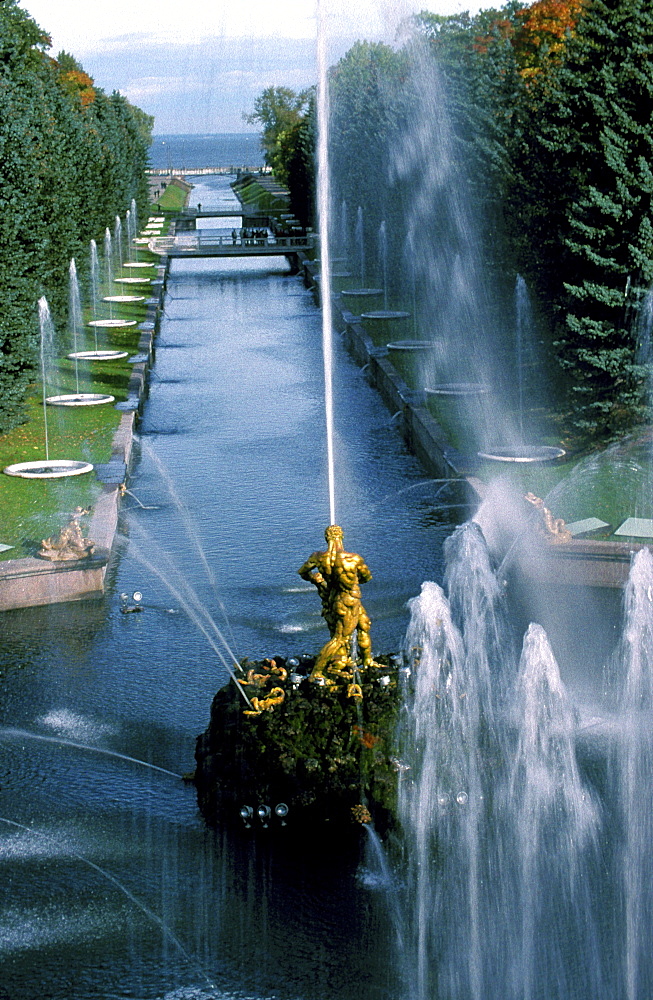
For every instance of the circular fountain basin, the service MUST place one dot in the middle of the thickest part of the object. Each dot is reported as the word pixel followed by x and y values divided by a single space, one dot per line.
pixel 80 399
pixel 361 293
pixel 412 345
pixel 379 315
pixel 132 281
pixel 523 453
pixel 48 469
pixel 138 263
pixel 457 389
pixel 98 355
pixel 123 298
pixel 112 324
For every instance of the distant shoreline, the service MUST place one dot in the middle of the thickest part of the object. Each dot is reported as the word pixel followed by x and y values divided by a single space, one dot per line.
pixel 184 151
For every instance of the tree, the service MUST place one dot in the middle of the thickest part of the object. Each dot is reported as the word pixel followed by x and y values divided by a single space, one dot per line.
pixel 71 159
pixel 276 110
pixel 295 159
pixel 587 177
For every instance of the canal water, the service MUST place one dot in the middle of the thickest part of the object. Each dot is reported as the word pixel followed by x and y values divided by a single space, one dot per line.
pixel 110 883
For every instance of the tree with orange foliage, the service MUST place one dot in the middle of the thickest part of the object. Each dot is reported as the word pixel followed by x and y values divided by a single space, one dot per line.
pixel 538 33
pixel 74 80
pixel 542 33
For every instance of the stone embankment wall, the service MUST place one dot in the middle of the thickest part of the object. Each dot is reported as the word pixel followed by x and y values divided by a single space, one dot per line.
pixel 32 582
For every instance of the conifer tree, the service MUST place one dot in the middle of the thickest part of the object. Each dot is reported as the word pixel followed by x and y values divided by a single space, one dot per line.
pixel 586 204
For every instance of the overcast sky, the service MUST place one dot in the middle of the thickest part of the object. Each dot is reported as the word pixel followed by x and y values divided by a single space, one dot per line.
pixel 199 71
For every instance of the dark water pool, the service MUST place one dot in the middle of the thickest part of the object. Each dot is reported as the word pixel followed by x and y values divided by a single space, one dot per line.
pixel 110 884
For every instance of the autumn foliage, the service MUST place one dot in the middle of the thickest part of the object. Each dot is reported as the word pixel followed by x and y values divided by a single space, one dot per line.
pixel 538 34
pixel 77 82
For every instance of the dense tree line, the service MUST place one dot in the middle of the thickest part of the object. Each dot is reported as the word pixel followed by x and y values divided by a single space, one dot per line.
pixel 71 158
pixel 542 113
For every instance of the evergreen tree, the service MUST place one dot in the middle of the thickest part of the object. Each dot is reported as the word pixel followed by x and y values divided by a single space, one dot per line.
pixel 587 203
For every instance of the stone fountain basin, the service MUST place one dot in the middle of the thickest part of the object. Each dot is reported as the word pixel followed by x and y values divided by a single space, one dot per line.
pixel 138 263
pixel 48 469
pixel 413 345
pixel 132 281
pixel 110 324
pixel 98 355
pixel 361 293
pixel 123 298
pixel 461 389
pixel 384 314
pixel 523 453
pixel 80 399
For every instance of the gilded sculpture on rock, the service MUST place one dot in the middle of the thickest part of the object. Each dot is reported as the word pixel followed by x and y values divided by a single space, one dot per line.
pixel 337 575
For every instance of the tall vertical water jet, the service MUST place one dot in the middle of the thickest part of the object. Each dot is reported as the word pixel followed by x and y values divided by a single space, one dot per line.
pixel 360 244
pixel 478 609
pixel 445 216
pixel 108 266
pixel 324 208
pixel 95 279
pixel 443 808
pixel 500 832
pixel 523 337
pixel 383 261
pixel 344 226
pixel 74 313
pixel 117 236
pixel 409 270
pixel 134 215
pixel 644 329
pixel 46 328
pixel 634 770
pixel 130 234
pixel 551 828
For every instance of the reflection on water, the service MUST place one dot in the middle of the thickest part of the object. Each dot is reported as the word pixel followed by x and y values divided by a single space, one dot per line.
pixel 110 884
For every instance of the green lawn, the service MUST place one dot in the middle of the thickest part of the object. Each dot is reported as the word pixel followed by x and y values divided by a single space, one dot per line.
pixel 32 509
pixel 173 199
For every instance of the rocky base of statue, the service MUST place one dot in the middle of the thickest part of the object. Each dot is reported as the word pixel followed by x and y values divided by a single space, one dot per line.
pixel 301 753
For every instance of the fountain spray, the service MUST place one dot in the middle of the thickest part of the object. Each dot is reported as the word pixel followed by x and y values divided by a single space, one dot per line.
pixel 74 313
pixel 324 201
pixel 47 332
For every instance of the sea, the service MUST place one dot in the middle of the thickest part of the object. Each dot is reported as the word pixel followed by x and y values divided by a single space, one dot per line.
pixel 222 149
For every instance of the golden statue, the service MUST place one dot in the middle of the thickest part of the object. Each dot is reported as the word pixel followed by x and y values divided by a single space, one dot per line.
pixel 70 543
pixel 337 575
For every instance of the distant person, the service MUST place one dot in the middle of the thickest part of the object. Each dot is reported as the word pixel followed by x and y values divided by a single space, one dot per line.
pixel 199 206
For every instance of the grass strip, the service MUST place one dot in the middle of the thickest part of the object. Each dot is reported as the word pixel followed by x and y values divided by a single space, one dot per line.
pixel 33 509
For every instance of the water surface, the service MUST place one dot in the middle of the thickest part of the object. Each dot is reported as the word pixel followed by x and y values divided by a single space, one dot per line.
pixel 110 883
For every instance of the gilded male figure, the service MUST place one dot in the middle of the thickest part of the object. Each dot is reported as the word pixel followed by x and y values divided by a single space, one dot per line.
pixel 337 575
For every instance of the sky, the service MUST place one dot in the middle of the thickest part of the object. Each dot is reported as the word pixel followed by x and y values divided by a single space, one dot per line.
pixel 199 72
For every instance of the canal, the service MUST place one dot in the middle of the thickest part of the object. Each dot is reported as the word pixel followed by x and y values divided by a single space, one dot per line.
pixel 110 883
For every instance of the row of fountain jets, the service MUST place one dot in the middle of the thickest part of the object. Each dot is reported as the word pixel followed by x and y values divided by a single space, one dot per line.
pixel 118 254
